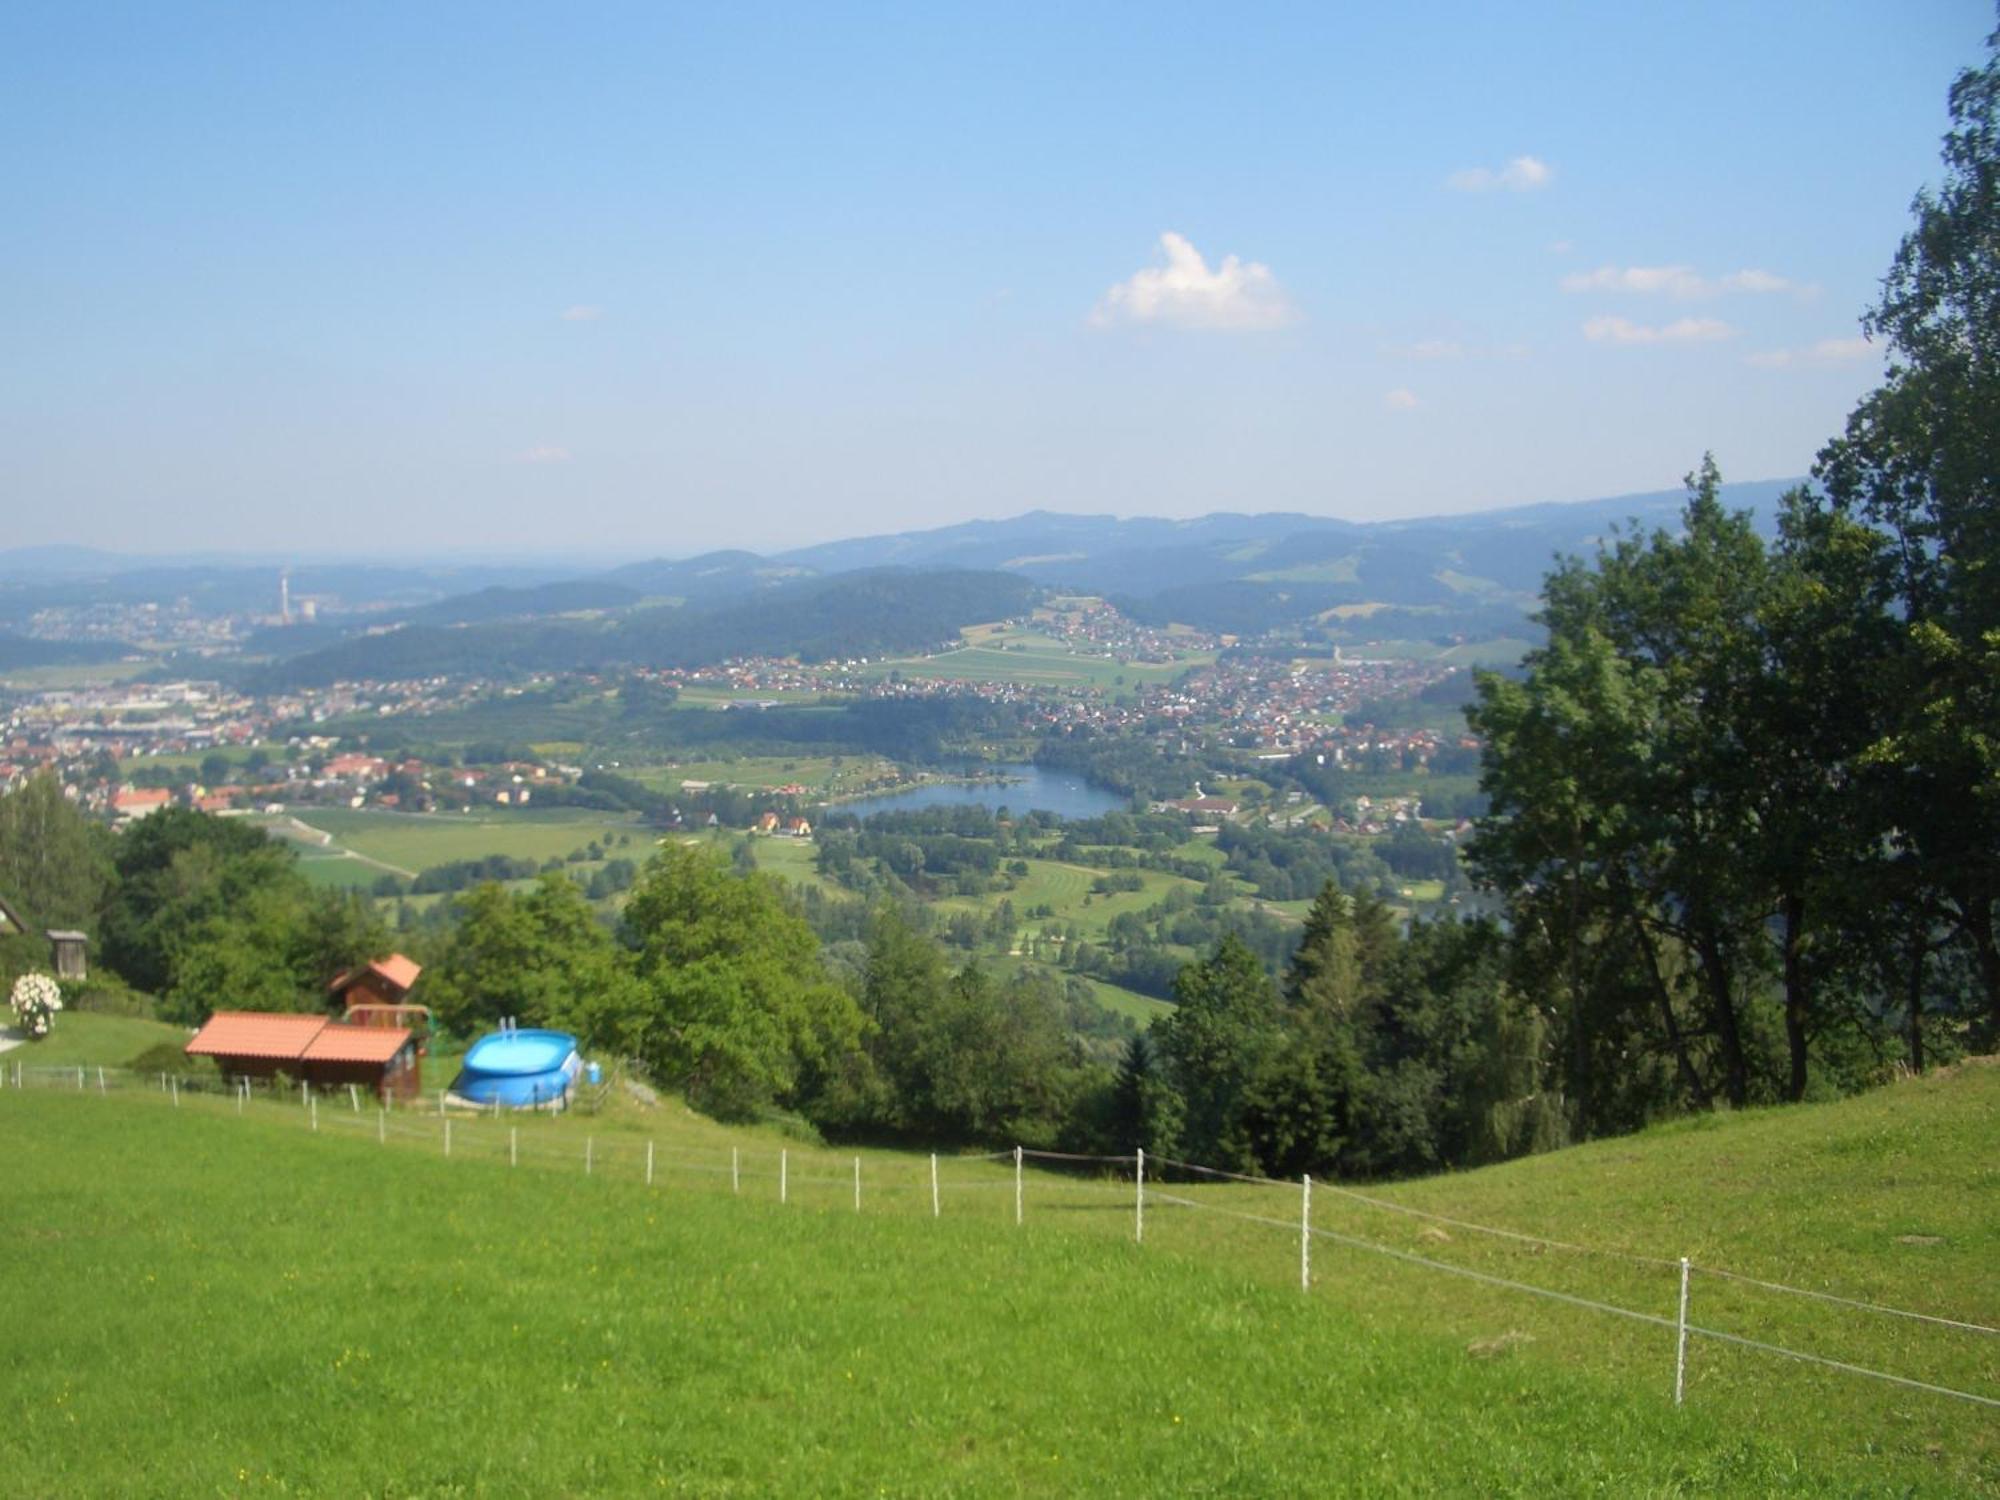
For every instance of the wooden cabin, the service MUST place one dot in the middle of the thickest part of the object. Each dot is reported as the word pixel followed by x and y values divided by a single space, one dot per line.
pixel 325 1053
pixel 66 951
pixel 382 981
pixel 377 994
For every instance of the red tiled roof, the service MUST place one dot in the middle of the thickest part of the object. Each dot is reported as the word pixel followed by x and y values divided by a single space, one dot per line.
pixel 252 1033
pixel 356 1044
pixel 400 971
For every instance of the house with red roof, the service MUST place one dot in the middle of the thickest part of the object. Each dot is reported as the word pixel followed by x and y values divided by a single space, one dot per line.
pixel 314 1049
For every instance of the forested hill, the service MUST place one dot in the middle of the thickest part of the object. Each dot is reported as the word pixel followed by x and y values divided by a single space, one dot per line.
pixel 854 614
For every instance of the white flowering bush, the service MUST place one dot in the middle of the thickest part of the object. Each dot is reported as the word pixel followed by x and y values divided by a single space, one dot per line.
pixel 36 1000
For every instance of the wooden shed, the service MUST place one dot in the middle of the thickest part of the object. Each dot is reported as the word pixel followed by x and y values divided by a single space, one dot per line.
pixel 66 950
pixel 382 981
pixel 320 1051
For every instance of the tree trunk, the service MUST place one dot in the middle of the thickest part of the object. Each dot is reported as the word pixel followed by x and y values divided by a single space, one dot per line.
pixel 1979 927
pixel 1728 1025
pixel 1675 1037
pixel 1919 951
pixel 1798 998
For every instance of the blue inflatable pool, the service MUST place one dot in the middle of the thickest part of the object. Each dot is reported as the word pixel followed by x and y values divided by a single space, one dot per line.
pixel 520 1070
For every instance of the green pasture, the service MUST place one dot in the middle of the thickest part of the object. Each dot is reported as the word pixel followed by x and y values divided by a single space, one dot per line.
pixel 230 1304
pixel 57 679
pixel 410 842
pixel 190 760
pixel 822 775
pixel 80 1037
pixel 1036 660
pixel 699 696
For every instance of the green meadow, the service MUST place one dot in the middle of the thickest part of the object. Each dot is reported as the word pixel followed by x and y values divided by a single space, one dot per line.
pixel 215 1303
pixel 366 843
pixel 1034 659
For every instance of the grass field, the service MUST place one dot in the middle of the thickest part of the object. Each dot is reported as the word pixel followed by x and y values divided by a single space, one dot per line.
pixel 80 1037
pixel 236 1305
pixel 1034 659
pixel 821 775
pixel 367 844
pixel 56 679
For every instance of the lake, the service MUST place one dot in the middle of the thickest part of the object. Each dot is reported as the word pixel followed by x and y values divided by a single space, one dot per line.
pixel 1027 788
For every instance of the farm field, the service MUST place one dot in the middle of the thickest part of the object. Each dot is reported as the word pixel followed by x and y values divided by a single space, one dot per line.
pixel 822 775
pixel 683 1338
pixel 374 843
pixel 55 679
pixel 1033 658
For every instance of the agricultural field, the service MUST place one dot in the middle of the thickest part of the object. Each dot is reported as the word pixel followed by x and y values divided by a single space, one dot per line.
pixel 698 695
pixel 58 679
pixel 354 846
pixel 688 1339
pixel 1031 658
pixel 821 775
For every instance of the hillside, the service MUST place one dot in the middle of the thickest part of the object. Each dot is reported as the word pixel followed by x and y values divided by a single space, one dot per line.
pixel 330 1315
pixel 1472 574
pixel 857 614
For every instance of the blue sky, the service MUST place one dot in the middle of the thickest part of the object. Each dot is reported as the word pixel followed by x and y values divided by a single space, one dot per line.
pixel 624 280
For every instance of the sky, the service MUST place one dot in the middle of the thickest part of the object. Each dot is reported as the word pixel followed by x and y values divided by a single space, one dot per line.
pixel 628 280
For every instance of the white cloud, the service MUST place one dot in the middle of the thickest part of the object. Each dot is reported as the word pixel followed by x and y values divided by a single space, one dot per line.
pixel 1825 352
pixel 1675 281
pixel 1237 296
pixel 1436 349
pixel 1400 399
pixel 1757 281
pixel 583 312
pixel 1683 283
pixel 543 453
pixel 1561 247
pixel 1613 330
pixel 1522 174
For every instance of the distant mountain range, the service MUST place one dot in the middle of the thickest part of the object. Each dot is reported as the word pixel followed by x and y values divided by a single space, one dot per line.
pixel 1469 576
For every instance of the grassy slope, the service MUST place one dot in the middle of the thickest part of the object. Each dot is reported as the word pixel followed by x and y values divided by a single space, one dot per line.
pixel 239 1306
pixel 80 1037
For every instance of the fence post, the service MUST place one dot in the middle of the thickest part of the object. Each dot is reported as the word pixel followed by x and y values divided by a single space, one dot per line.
pixel 163 1083
pixel 589 1151
pixel 513 1145
pixel 1305 1233
pixel 312 1108
pixel 354 1097
pixel 1017 1185
pixel 305 1093
pixel 735 1176
pixel 784 1175
pixel 1139 1201
pixel 936 1207
pixel 1681 1338
pixel 100 1079
pixel 239 1096
pixel 175 1086
pixel 79 1080
pixel 857 1184
pixel 649 1164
